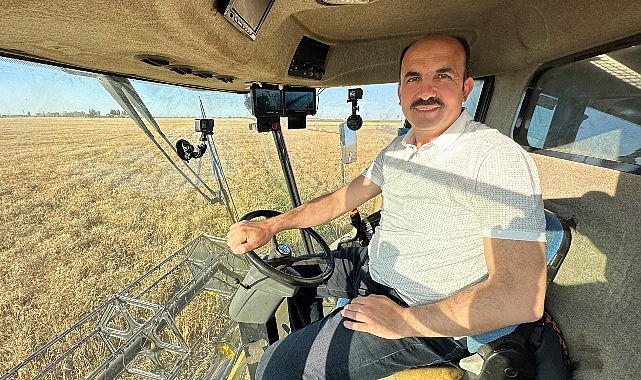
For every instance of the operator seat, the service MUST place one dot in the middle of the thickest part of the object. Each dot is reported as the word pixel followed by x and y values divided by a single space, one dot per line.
pixel 558 238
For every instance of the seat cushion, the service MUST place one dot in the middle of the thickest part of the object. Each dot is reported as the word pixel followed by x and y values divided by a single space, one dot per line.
pixel 444 372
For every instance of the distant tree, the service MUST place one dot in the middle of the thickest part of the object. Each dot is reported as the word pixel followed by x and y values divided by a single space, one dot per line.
pixel 74 114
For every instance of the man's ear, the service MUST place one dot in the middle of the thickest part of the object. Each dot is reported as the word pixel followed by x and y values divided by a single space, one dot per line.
pixel 468 85
pixel 398 92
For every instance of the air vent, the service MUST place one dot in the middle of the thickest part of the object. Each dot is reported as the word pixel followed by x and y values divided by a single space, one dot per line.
pixel 203 74
pixel 225 78
pixel 344 2
pixel 182 70
pixel 154 60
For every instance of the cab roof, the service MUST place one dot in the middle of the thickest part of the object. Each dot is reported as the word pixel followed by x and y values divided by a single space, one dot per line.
pixel 203 49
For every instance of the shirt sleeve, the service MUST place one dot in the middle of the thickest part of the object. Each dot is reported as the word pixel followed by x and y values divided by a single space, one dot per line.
pixel 507 195
pixel 374 171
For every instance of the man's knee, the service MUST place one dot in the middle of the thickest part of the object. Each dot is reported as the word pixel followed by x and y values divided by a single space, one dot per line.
pixel 268 363
pixel 285 359
pixel 306 351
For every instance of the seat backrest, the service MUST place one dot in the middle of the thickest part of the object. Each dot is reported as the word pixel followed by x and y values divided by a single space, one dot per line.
pixel 558 237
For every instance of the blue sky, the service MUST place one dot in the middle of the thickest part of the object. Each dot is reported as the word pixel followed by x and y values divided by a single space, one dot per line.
pixel 29 87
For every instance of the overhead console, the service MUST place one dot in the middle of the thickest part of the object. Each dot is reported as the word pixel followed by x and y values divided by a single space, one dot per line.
pixel 309 59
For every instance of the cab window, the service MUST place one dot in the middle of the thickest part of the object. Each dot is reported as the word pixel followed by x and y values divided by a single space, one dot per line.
pixel 588 110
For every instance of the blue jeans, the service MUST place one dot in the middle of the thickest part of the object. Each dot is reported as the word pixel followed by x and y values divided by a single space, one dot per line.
pixel 325 349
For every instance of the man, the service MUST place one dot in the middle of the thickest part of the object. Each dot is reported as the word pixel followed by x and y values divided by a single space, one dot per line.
pixel 460 249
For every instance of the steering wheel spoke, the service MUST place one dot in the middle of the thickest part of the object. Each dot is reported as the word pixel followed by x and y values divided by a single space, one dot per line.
pixel 280 262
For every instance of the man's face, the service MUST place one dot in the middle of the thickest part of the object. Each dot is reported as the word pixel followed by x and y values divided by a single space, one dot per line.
pixel 432 85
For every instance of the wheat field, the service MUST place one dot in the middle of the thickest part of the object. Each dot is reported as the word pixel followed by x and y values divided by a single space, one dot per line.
pixel 88 205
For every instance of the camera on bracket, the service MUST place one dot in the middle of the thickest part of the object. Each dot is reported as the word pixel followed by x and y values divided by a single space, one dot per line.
pixel 354 94
pixel 205 126
pixel 186 150
pixel 355 121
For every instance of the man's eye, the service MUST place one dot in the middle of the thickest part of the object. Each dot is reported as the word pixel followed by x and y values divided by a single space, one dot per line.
pixel 443 76
pixel 412 79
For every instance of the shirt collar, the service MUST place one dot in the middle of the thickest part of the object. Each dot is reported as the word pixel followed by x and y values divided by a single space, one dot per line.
pixel 447 138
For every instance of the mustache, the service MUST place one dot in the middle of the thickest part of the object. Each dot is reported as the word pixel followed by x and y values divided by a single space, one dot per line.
pixel 431 101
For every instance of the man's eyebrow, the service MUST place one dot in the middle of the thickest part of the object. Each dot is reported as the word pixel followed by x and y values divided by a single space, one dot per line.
pixel 445 70
pixel 412 74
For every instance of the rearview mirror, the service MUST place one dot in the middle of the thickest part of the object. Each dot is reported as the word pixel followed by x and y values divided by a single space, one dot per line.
pixel 348 144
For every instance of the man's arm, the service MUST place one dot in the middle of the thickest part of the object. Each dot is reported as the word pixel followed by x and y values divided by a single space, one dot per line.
pixel 245 236
pixel 513 293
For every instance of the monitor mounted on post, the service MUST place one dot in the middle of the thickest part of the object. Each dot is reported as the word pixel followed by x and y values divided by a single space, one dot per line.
pixel 299 101
pixel 271 102
pixel 267 100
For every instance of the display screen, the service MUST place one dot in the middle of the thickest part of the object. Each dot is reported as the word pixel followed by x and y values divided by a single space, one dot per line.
pixel 300 101
pixel 267 102
pixel 251 11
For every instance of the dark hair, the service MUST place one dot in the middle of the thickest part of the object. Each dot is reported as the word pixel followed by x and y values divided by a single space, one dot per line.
pixel 461 40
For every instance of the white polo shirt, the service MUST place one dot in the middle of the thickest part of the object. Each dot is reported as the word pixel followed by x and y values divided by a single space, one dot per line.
pixel 441 200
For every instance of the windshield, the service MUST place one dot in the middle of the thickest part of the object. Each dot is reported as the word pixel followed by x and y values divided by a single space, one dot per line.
pixel 87 202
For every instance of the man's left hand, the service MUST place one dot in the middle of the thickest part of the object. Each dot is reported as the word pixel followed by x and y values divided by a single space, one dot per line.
pixel 376 315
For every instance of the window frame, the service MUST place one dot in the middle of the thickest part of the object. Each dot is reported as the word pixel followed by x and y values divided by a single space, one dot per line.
pixel 485 98
pixel 519 131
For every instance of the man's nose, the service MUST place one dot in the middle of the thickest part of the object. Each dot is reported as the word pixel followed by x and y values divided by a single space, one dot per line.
pixel 427 90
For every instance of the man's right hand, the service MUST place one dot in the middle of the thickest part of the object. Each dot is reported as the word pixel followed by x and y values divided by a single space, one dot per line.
pixel 248 235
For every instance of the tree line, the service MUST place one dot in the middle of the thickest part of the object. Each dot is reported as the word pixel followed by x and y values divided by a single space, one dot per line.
pixel 90 113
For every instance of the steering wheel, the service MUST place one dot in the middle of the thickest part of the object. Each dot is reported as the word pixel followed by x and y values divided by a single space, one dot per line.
pixel 273 267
